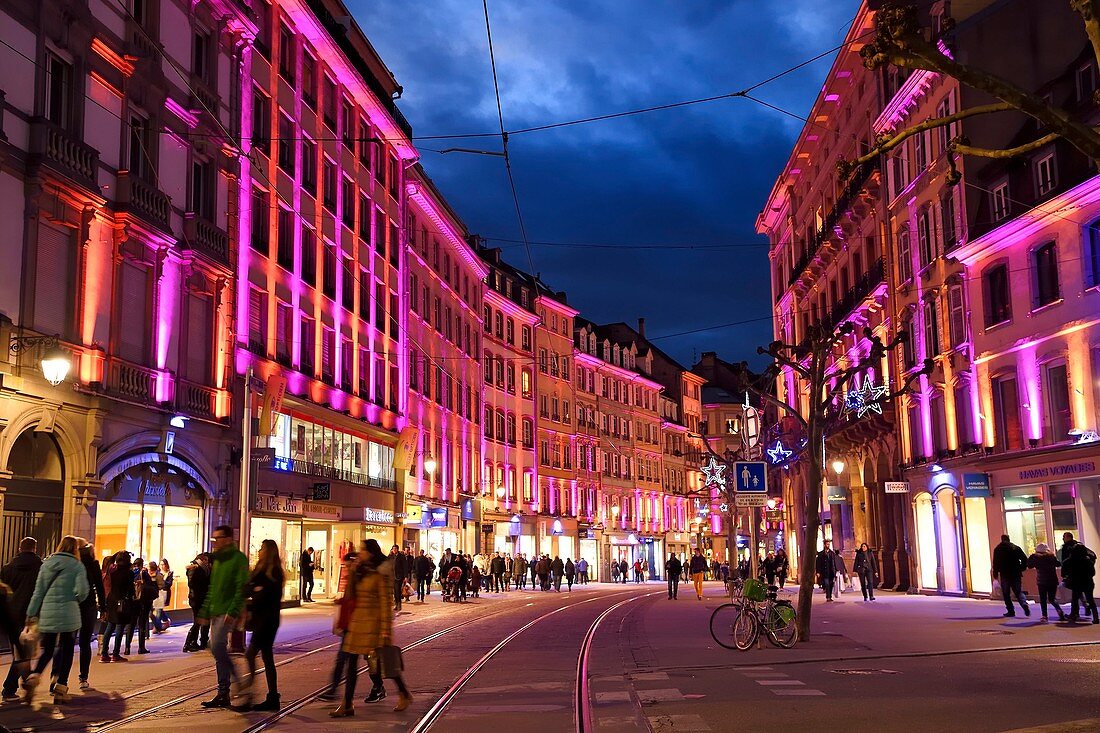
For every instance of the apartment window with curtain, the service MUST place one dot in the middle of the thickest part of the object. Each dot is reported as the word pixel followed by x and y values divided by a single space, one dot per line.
pixel 1044 262
pixel 328 193
pixel 308 345
pixel 202 56
pixel 257 320
pixel 309 166
pixel 260 234
pixel 939 424
pixel 931 329
pixel 286 54
pixel 916 430
pixel 328 349
pixel 309 80
pixel 59 91
pixel 1008 430
pixel 347 275
pixel 1058 418
pixel 1046 174
pixel 200 193
pixel 328 272
pixel 261 121
pixel 286 145
pixel 947 221
pixel 964 415
pixel 999 201
pixel 998 296
pixel 143 146
pixel 328 102
pixel 284 331
pixel 926 245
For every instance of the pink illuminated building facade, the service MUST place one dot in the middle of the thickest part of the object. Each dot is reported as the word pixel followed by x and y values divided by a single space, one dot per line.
pixel 445 278
pixel 119 180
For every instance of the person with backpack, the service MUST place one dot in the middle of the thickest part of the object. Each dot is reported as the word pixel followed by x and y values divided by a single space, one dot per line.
pixel 20 575
pixel 55 609
pixel 1009 563
pixel 198 584
pixel 1079 572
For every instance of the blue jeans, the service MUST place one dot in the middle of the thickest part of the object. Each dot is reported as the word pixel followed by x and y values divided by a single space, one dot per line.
pixel 220 629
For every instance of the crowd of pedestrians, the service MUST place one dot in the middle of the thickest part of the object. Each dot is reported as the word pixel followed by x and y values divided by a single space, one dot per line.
pixel 1075 563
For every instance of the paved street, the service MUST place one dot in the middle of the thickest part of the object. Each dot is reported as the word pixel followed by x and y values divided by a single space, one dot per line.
pixel 511 662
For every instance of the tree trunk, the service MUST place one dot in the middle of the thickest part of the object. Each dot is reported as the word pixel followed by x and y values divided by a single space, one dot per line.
pixel 808 554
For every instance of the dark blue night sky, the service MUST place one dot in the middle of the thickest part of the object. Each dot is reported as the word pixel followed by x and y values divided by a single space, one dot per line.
pixel 677 178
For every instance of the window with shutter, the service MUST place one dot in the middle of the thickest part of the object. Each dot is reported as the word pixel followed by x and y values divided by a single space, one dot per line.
pixel 198 363
pixel 958 316
pixel 284 330
pixel 257 320
pixel 54 280
pixel 328 337
pixel 307 345
pixel 133 313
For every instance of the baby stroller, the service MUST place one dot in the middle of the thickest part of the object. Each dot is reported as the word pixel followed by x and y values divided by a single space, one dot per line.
pixel 452 585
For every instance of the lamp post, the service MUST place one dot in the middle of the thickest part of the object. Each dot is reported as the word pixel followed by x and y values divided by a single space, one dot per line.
pixel 55 362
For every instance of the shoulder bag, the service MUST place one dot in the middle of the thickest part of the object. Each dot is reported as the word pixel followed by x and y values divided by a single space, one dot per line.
pixel 386 661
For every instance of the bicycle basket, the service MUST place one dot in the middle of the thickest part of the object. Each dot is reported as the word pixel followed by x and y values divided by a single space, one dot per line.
pixel 754 590
pixel 785 613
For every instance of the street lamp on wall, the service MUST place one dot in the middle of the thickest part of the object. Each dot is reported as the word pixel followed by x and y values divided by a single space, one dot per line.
pixel 430 463
pixel 55 363
pixel 838 467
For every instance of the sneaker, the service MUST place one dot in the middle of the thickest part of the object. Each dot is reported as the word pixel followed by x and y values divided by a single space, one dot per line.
pixel 1027 610
pixel 104 658
pixel 376 694
pixel 1010 614
pixel 1043 620
pixel 9 696
pixel 84 685
pixel 31 683
pixel 118 658
pixel 61 694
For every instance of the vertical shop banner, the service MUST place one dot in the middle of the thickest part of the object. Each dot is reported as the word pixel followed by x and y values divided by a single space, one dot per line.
pixel 274 392
pixel 405 452
pixel 976 486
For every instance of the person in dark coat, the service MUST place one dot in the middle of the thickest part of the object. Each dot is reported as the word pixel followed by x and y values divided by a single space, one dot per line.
pixel 496 570
pixel 782 567
pixel 1068 543
pixel 121 607
pixel 1079 572
pixel 11 633
pixel 866 567
pixel 400 572
pixel 198 584
pixel 1009 563
pixel 91 608
pixel 825 567
pixel 624 568
pixel 1046 565
pixel 557 569
pixel 570 572
pixel 20 575
pixel 305 575
pixel 422 568
pixel 673 570
pixel 264 591
pixel 542 569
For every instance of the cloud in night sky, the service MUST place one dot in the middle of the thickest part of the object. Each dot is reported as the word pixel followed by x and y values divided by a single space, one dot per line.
pixel 696 175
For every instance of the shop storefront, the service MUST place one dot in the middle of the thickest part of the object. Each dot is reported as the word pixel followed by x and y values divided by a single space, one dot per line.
pixel 558 537
pixel 279 518
pixel 514 534
pixel 153 505
pixel 587 549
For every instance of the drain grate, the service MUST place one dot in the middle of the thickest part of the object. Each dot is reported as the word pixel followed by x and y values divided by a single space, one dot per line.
pixel 991 632
pixel 864 671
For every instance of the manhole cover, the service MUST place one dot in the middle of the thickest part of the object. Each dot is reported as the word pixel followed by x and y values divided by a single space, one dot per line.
pixel 864 671
pixel 991 632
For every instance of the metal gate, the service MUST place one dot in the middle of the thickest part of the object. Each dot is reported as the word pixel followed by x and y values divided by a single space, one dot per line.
pixel 43 526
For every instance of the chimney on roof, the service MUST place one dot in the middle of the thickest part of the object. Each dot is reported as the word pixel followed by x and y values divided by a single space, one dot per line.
pixel 641 327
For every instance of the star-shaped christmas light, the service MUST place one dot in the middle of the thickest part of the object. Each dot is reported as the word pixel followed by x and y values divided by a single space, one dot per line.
pixel 854 400
pixel 713 472
pixel 872 398
pixel 779 455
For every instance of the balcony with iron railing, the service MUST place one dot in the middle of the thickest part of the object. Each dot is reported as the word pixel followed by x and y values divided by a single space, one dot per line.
pixel 306 468
pixel 143 199
pixel 862 288
pixel 59 149
pixel 848 197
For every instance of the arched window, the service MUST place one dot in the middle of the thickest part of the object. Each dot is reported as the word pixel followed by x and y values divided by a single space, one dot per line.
pixel 528 433
pixel 488 369
pixel 500 429
pixel 510 331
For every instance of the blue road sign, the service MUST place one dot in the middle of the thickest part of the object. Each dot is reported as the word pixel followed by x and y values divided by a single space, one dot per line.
pixel 750 477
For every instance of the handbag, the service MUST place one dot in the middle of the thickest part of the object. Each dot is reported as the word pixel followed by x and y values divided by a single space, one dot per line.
pixel 386 662
pixel 29 635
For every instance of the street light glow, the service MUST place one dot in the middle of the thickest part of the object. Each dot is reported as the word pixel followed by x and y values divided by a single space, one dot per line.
pixel 55 365
pixel 838 467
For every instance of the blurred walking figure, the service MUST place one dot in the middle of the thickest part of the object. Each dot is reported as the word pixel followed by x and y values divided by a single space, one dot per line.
pixel 570 573
pixel 673 570
pixel 1009 563
pixel 557 569
pixel 698 569
pixel 1079 572
pixel 223 606
pixel 768 566
pixel 422 567
pixel 198 584
pixel 866 567
pixel 20 575
pixel 782 567
pixel 582 571
pixel 62 584
pixel 264 591
pixel 623 569
pixel 370 626
pixel 345 604
pixel 160 618
pixel 91 609
pixel 825 568
pixel 841 571
pixel 1046 566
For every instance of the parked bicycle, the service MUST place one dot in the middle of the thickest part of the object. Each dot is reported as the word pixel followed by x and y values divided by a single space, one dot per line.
pixel 737 625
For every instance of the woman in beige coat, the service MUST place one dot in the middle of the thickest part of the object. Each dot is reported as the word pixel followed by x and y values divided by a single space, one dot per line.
pixel 370 626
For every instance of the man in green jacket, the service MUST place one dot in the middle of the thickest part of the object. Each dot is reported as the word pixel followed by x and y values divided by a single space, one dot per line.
pixel 223 606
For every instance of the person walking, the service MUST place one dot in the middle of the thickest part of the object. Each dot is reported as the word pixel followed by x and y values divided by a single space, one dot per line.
pixel 825 568
pixel 223 606
pixel 637 571
pixel 614 571
pixel 159 615
pixel 121 606
pixel 305 575
pixel 866 567
pixel 768 567
pixel 11 633
pixel 521 571
pixel 582 571
pixel 198 584
pixel 370 626
pixel 557 569
pixel 570 573
pixel 698 568
pixel 345 604
pixel 20 575
pixel 264 592
pixel 91 608
pixel 496 568
pixel 1046 565
pixel 782 567
pixel 1009 563
pixel 422 567
pixel 1068 543
pixel 400 570
pixel 1079 572
pixel 542 570
pixel 624 569
pixel 147 592
pixel 673 570
pixel 61 586
pixel 841 572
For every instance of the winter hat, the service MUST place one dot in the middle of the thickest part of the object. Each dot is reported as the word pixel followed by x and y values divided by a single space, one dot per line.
pixel 1042 548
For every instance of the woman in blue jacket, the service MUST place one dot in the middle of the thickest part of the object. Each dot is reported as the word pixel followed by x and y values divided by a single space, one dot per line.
pixel 62 585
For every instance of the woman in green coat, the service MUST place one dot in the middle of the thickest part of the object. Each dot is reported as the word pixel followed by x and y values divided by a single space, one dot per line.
pixel 62 584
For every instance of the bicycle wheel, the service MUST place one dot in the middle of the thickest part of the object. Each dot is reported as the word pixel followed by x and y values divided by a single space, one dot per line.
pixel 782 631
pixel 722 623
pixel 746 628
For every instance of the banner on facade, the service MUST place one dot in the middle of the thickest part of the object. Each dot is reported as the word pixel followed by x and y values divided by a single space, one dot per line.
pixel 274 392
pixel 437 517
pixel 414 515
pixel 469 510
pixel 976 486
pixel 896 487
pixel 405 452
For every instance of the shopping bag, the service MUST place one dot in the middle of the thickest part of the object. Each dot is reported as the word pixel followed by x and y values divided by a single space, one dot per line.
pixel 995 594
pixel 1063 594
pixel 386 661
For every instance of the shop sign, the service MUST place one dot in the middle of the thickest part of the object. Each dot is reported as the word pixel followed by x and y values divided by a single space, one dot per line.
pixel 1080 468
pixel 322 491
pixel 896 487
pixel 556 528
pixel 414 514
pixel 590 534
pixel 271 504
pixel 381 516
pixel 976 485
pixel 319 510
pixel 469 510
pixel 837 495
pixel 437 517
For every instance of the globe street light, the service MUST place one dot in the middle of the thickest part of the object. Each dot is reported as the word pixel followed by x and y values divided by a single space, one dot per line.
pixel 838 467
pixel 430 463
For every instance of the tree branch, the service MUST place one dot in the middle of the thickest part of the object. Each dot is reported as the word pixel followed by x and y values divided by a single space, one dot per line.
pixel 1008 152
pixel 1089 10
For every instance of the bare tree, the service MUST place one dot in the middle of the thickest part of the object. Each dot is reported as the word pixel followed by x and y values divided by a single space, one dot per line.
pixel 820 363
pixel 900 40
